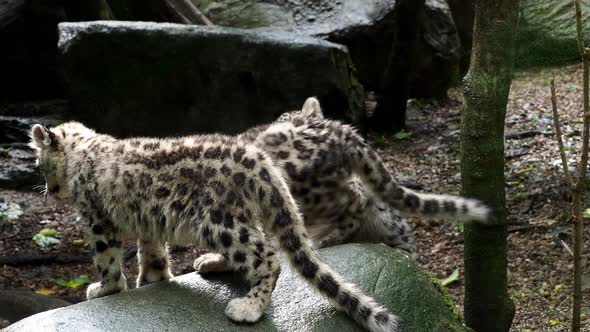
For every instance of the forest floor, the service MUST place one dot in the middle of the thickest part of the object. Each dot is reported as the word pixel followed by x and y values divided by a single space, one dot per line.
pixel 427 153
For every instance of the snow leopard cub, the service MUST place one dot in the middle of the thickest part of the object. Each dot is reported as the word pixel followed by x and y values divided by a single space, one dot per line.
pixel 342 186
pixel 211 190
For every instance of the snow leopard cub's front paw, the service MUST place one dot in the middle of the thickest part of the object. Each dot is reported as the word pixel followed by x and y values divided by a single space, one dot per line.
pixel 244 310
pixel 99 289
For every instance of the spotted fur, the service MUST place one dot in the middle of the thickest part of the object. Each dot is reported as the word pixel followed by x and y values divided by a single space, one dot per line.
pixel 343 187
pixel 212 191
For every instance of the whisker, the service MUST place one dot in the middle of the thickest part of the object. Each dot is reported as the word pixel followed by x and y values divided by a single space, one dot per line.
pixel 39 187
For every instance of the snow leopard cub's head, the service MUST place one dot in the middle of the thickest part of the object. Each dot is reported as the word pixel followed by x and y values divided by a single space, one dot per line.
pixel 311 109
pixel 51 159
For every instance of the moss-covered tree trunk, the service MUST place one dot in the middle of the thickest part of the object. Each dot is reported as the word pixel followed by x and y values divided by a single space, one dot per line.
pixel 486 87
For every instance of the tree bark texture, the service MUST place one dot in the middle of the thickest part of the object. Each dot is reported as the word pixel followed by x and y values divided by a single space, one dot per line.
pixel 390 113
pixel 486 87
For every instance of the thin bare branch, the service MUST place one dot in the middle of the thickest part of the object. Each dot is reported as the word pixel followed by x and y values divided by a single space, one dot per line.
pixel 579 197
pixel 567 248
pixel 557 126
pixel 581 185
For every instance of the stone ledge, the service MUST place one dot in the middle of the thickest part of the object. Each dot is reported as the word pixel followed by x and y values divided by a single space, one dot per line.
pixel 193 303
pixel 145 78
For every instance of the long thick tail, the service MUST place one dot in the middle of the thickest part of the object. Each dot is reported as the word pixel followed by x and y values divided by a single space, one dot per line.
pixel 287 225
pixel 370 167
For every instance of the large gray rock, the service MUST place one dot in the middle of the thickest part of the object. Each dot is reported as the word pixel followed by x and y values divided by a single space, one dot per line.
pixel 191 303
pixel 547 32
pixel 16 304
pixel 17 160
pixel 15 129
pixel 137 78
pixel 17 168
pixel 366 27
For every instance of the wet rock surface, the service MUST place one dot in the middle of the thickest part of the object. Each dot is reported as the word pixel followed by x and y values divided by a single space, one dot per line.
pixel 18 304
pixel 136 78
pixel 17 160
pixel 17 168
pixel 193 303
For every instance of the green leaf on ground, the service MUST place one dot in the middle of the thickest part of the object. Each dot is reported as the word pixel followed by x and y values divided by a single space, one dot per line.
pixel 47 237
pixel 45 291
pixel 74 282
pixel 81 242
pixel 525 170
pixel 49 232
pixel 402 135
pixel 450 279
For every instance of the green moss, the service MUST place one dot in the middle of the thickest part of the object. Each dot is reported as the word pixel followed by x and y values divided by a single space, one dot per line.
pixel 445 294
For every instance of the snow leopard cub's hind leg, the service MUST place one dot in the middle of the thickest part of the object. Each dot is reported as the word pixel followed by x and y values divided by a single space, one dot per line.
pixel 154 264
pixel 108 258
pixel 210 262
pixel 346 226
pixel 244 249
pixel 392 229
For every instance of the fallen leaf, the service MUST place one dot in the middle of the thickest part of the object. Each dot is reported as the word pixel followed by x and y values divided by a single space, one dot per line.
pixel 450 279
pixel 47 237
pixel 74 282
pixel 49 232
pixel 45 241
pixel 402 135
pixel 524 170
pixel 45 291
pixel 81 242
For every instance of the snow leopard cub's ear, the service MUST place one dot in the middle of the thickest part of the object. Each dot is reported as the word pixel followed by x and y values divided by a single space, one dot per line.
pixel 312 109
pixel 41 137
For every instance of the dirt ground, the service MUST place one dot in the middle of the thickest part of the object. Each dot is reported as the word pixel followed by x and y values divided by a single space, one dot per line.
pixel 539 235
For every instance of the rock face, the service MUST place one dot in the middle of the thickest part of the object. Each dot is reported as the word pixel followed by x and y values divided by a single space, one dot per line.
pixel 367 27
pixel 135 78
pixel 17 160
pixel 547 32
pixel 191 303
pixel 28 57
pixel 18 304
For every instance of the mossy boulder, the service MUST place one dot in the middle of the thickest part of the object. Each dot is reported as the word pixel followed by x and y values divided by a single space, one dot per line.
pixel 140 78
pixel 547 32
pixel 192 303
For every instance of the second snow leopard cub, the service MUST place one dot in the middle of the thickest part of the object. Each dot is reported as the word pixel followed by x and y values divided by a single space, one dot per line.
pixel 342 186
